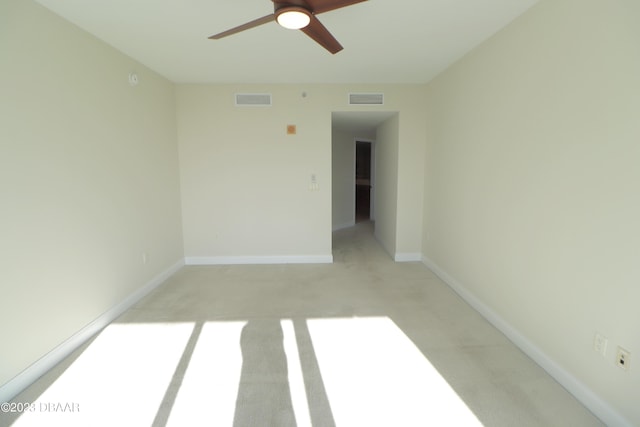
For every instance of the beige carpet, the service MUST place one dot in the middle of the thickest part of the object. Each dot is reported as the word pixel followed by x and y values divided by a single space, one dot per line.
pixel 361 342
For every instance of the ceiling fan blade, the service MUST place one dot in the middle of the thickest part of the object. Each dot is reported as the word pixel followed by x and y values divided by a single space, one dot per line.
pixel 284 3
pixel 320 34
pixel 321 6
pixel 248 25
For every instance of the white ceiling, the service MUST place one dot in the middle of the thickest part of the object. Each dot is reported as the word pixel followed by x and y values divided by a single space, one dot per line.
pixel 385 41
pixel 359 123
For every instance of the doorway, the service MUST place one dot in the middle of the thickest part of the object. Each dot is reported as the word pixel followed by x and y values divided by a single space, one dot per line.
pixel 363 180
pixel 348 131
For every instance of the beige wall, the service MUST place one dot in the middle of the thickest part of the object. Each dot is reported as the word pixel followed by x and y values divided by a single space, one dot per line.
pixel 245 183
pixel 386 188
pixel 411 171
pixel 88 181
pixel 532 192
pixel 343 186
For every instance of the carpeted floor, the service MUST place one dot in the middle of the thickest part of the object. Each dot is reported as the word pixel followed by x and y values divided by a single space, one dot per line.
pixel 364 341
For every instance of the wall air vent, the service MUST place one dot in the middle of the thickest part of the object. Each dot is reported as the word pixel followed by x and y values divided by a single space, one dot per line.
pixel 253 99
pixel 366 99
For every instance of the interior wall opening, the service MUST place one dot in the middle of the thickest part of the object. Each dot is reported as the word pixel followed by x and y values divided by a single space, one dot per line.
pixel 360 189
pixel 364 180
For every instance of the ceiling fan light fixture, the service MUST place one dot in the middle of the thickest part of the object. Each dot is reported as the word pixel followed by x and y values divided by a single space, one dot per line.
pixel 293 18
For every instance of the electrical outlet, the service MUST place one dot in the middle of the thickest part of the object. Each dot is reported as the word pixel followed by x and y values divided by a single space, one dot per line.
pixel 622 358
pixel 600 344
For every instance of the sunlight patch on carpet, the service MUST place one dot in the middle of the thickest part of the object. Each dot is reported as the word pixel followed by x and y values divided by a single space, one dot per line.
pixel 375 375
pixel 296 379
pixel 208 392
pixel 121 378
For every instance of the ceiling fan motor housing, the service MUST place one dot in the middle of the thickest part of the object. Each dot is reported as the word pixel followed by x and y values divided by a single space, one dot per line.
pixel 292 17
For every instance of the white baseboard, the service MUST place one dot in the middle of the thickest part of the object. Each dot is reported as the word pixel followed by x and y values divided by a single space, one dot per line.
pixel 591 400
pixel 407 257
pixel 27 377
pixel 260 259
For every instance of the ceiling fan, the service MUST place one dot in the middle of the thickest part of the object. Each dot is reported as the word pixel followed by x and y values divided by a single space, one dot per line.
pixel 299 15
